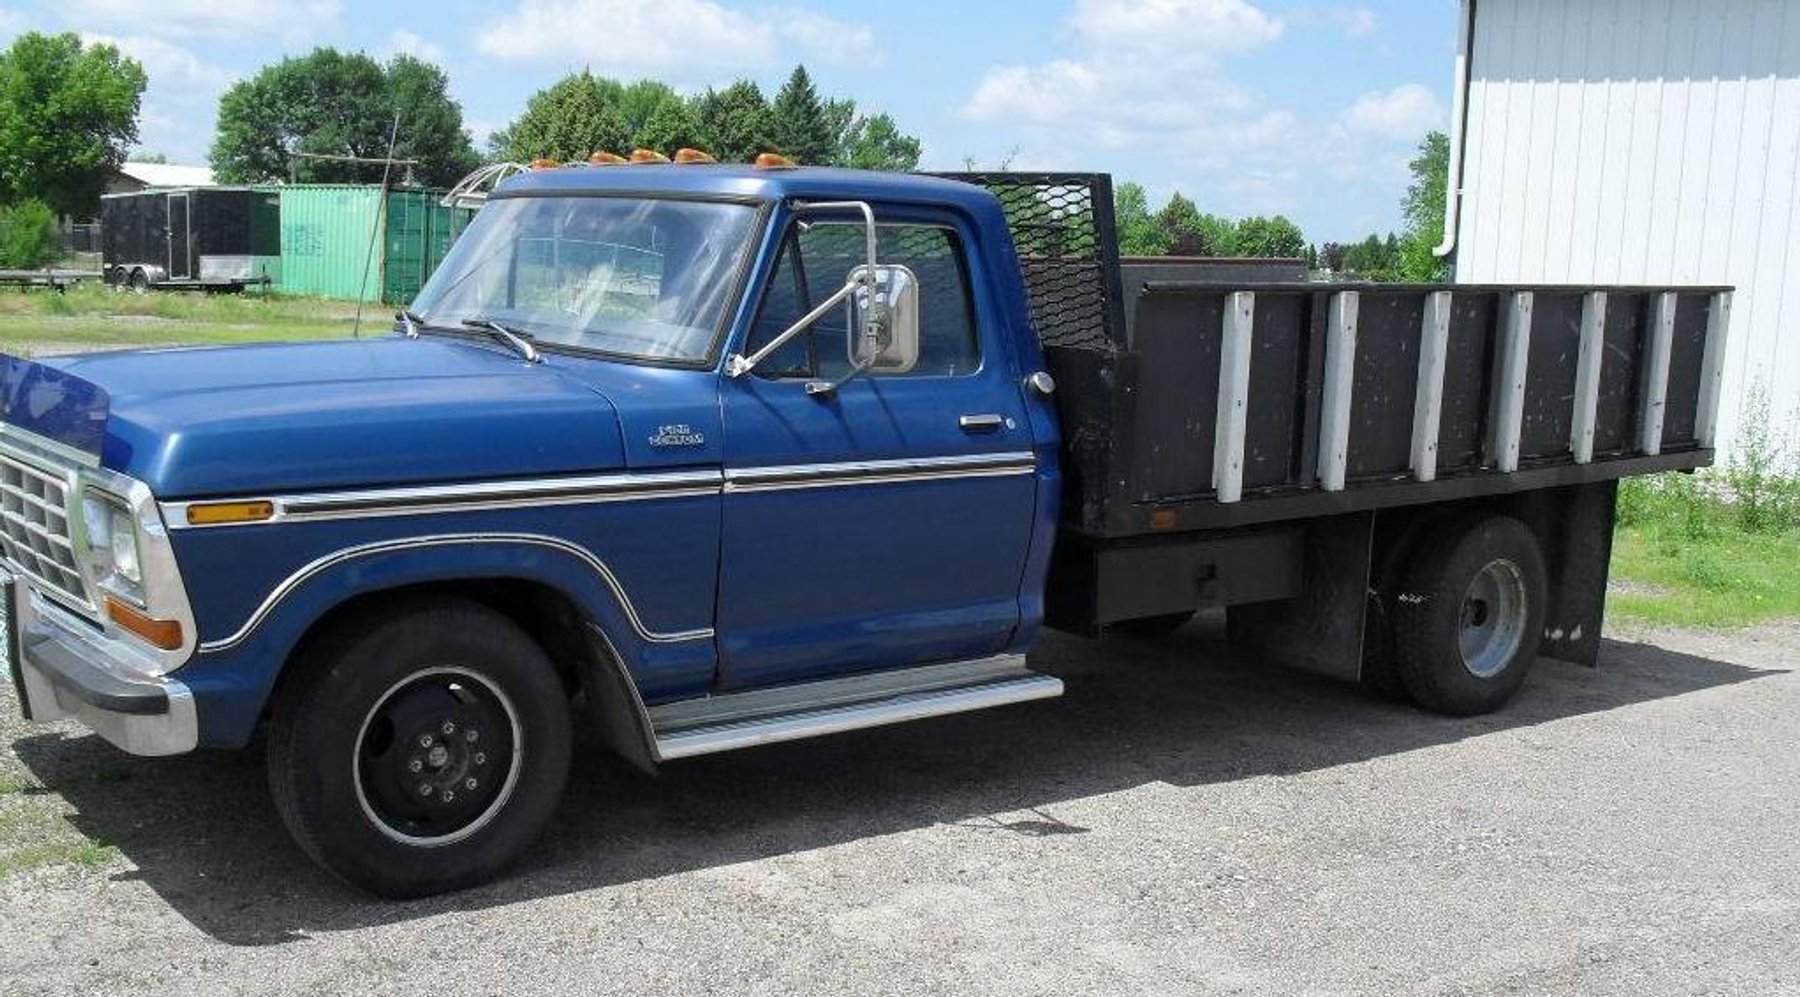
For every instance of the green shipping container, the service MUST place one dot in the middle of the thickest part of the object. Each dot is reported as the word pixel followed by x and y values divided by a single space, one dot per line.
pixel 326 231
pixel 420 231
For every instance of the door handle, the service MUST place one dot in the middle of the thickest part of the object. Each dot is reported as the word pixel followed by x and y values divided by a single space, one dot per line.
pixel 985 423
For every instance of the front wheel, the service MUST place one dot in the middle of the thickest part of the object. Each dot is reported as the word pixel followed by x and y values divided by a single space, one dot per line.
pixel 1468 615
pixel 420 751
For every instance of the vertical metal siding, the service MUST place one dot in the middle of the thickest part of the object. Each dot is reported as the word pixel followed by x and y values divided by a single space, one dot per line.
pixel 325 232
pixel 1645 142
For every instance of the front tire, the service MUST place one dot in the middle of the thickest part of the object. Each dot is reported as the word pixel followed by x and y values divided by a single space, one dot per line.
pixel 1468 616
pixel 420 750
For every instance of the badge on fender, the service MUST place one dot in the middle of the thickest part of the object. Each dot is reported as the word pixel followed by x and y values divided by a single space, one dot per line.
pixel 677 435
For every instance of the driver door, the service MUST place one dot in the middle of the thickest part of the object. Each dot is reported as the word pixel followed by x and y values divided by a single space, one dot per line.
pixel 886 524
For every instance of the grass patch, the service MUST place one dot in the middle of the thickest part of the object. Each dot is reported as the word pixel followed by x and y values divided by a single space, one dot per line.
pixel 81 855
pixel 92 315
pixel 1719 548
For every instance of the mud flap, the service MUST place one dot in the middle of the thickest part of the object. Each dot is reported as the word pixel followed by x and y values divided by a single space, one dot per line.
pixel 1575 529
pixel 1322 629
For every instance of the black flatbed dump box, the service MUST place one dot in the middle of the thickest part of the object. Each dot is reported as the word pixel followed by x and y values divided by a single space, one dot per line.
pixel 1218 435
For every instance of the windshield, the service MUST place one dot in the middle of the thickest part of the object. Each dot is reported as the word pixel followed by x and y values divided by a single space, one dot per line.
pixel 643 277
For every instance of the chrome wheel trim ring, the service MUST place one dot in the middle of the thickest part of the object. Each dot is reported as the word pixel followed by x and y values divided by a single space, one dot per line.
pixel 493 808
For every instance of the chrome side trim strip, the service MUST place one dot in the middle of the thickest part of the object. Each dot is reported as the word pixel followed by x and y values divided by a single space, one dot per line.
pixel 298 578
pixel 599 489
pixel 874 472
pixel 422 499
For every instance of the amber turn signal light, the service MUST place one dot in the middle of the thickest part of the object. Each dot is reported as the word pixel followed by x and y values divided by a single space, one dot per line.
pixel 215 513
pixel 165 634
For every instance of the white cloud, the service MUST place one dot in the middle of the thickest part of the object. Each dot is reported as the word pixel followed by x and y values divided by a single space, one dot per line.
pixel 829 39
pixel 404 42
pixel 1146 75
pixel 285 19
pixel 182 98
pixel 1178 30
pixel 685 41
pixel 1405 112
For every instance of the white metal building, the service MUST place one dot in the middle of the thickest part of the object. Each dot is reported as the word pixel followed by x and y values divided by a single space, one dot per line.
pixel 1640 142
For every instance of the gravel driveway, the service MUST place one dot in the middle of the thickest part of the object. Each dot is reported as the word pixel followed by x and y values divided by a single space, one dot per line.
pixel 1183 821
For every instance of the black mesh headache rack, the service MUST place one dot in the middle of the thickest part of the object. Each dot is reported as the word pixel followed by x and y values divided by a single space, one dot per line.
pixel 1190 404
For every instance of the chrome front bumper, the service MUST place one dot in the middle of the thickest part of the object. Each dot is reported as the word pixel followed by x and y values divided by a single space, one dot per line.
pixel 62 667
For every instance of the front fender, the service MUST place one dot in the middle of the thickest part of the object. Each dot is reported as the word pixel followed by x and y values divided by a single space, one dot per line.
pixel 652 595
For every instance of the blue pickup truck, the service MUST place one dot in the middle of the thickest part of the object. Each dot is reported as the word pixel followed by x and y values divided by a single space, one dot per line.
pixel 704 457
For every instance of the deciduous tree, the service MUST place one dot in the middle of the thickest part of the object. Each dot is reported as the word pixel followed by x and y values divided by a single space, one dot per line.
pixel 340 104
pixel 68 113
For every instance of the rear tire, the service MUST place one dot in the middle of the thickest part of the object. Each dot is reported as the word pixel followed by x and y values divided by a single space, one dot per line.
pixel 420 750
pixel 1468 615
pixel 139 281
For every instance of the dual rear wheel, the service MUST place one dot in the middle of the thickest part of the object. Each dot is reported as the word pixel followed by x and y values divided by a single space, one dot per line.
pixel 1459 619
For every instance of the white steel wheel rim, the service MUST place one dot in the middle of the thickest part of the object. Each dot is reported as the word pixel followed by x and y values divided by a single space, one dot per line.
pixel 492 810
pixel 1491 619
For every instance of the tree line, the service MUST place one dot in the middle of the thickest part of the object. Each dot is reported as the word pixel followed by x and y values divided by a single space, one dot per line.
pixel 69 110
pixel 1179 228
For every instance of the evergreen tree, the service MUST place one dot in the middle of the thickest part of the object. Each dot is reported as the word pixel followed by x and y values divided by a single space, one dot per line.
pixel 798 125
pixel 735 122
pixel 568 121
pixel 1180 222
pixel 671 127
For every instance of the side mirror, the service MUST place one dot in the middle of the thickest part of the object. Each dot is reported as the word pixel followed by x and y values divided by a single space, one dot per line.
pixel 884 321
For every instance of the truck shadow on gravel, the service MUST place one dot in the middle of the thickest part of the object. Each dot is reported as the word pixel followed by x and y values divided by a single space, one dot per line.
pixel 202 833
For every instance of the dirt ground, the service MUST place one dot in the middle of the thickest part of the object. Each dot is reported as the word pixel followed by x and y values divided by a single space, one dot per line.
pixel 1183 821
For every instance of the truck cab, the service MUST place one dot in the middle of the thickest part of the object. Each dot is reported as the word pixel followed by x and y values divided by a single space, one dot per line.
pixel 703 457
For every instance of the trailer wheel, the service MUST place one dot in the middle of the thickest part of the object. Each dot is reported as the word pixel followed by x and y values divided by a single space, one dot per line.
pixel 1467 617
pixel 140 281
pixel 420 750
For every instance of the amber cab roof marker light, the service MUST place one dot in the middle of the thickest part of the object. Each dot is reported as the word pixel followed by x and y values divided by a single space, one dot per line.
pixel 544 164
pixel 648 156
pixel 691 157
pixel 774 161
pixel 607 159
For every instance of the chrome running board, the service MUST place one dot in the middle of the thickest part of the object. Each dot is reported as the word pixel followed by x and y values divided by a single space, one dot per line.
pixel 788 713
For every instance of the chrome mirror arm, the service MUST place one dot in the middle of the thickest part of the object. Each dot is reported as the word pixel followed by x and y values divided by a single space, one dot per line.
pixel 739 365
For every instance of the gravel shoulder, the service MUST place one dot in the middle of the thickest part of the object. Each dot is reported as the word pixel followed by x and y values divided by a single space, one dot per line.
pixel 1184 820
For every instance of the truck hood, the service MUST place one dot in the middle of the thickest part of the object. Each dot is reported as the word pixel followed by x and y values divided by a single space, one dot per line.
pixel 293 417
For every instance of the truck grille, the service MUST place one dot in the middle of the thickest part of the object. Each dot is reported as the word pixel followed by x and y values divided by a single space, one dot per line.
pixel 34 528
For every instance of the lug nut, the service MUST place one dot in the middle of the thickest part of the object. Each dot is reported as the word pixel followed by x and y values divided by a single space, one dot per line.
pixel 448 795
pixel 415 766
pixel 470 784
pixel 425 740
pixel 424 789
pixel 449 727
pixel 481 758
pixel 471 735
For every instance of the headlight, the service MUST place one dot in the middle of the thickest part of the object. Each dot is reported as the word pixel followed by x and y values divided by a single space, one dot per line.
pixel 113 544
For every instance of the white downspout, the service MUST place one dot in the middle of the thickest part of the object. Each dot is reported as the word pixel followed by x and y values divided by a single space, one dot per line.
pixel 1459 123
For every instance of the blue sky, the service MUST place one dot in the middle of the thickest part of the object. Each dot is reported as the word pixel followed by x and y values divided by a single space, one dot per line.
pixel 1248 106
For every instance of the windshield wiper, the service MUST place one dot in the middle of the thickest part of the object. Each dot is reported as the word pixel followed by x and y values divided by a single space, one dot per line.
pixel 409 322
pixel 520 341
